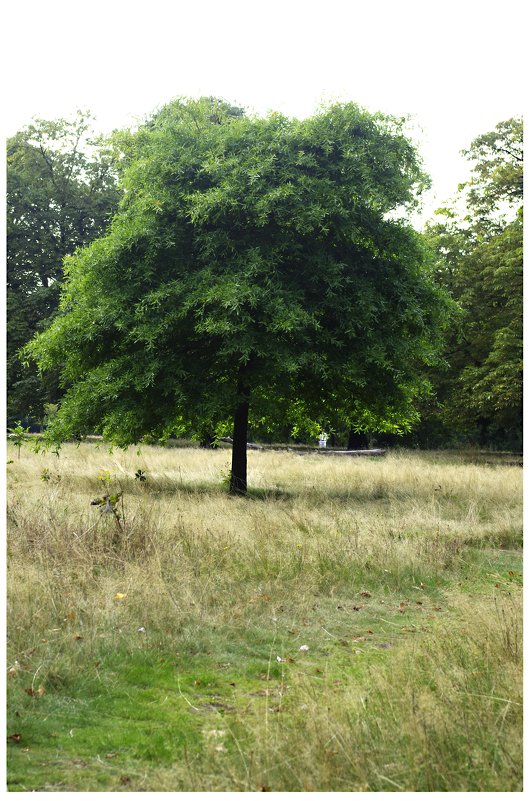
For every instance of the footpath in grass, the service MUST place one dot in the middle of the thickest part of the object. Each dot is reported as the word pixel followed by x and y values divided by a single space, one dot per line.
pixel 210 710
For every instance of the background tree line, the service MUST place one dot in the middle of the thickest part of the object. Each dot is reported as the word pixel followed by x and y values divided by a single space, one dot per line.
pixel 478 246
pixel 62 192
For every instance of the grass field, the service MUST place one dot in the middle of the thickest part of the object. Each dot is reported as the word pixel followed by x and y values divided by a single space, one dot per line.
pixel 352 625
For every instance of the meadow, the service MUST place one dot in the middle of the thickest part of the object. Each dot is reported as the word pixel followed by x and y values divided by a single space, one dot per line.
pixel 354 624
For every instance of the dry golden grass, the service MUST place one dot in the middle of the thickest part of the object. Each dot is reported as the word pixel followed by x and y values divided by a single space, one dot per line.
pixel 241 580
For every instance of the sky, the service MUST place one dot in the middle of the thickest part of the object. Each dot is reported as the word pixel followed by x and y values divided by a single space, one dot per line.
pixel 456 68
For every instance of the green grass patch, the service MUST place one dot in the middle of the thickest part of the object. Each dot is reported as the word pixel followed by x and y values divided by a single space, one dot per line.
pixel 110 723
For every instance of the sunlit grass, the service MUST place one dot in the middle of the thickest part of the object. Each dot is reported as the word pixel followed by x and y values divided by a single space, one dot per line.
pixel 151 636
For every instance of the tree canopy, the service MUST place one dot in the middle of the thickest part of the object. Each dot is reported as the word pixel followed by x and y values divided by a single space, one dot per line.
pixel 256 266
pixel 496 187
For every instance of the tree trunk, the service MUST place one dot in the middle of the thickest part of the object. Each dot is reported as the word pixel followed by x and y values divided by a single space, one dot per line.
pixel 238 478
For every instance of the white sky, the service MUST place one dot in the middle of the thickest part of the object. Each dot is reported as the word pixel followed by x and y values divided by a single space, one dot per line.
pixel 457 67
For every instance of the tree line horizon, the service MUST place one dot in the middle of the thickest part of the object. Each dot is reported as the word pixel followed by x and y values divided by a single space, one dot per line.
pixel 212 274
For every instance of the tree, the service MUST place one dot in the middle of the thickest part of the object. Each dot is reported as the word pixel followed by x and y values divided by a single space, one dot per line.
pixel 61 194
pixel 480 261
pixel 253 273
pixel 495 190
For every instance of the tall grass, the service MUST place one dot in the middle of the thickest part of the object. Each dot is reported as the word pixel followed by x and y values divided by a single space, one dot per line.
pixel 401 575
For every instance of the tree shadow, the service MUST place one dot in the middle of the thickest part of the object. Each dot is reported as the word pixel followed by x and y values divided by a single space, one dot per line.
pixel 264 494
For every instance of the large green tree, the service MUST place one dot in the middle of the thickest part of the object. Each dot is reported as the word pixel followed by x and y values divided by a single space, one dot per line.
pixel 254 269
pixel 480 261
pixel 61 194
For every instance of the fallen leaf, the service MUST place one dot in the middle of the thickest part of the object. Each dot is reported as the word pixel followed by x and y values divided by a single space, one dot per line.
pixel 365 594
pixel 70 616
pixel 15 737
pixel 35 693
pixel 78 636
pixel 118 597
